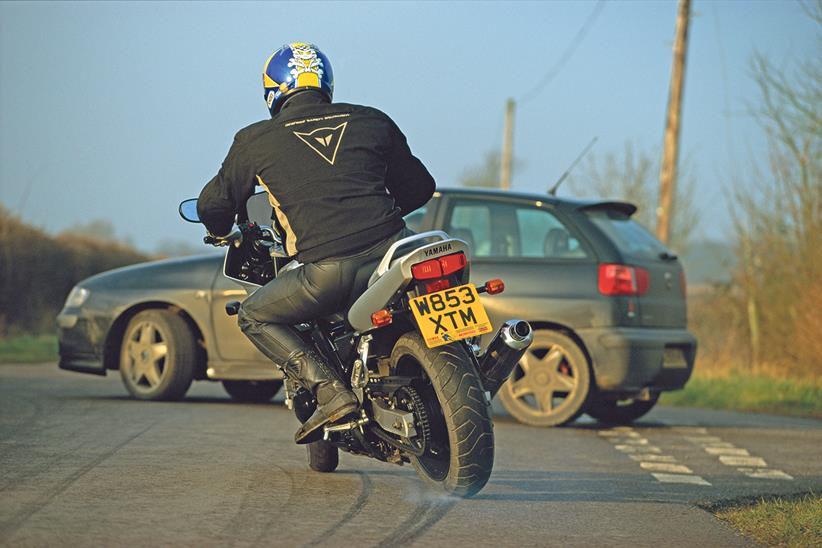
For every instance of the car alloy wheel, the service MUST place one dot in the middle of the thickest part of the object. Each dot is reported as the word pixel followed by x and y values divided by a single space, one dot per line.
pixel 551 383
pixel 157 356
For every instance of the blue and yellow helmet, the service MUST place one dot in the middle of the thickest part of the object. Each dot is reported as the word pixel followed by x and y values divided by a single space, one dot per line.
pixel 295 67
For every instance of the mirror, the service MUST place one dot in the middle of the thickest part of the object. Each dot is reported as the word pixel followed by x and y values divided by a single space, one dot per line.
pixel 188 210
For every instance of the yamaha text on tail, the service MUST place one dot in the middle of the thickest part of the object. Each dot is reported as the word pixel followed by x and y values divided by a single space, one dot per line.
pixel 407 349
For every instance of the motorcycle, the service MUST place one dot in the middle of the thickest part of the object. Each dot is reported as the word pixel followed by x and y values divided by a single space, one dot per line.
pixel 407 347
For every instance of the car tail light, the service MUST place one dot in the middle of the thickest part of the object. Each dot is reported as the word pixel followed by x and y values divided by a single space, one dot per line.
pixel 495 286
pixel 439 267
pixel 437 285
pixel 381 318
pixel 618 279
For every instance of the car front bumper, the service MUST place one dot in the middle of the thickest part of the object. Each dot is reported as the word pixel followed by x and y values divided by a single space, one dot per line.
pixel 76 338
pixel 629 360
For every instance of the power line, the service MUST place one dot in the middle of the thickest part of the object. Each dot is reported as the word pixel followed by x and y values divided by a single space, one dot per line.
pixel 566 55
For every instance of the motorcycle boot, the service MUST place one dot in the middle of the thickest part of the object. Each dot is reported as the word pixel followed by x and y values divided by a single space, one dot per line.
pixel 334 399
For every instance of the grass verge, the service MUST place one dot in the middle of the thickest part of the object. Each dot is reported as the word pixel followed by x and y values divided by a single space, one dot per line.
pixel 28 349
pixel 750 392
pixel 777 521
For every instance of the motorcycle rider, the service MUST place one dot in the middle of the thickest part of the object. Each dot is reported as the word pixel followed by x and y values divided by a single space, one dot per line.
pixel 339 177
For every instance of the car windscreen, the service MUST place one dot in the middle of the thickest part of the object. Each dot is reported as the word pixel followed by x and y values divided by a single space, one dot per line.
pixel 630 237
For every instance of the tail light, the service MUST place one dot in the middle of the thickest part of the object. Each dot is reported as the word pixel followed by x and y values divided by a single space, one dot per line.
pixel 618 279
pixel 437 285
pixel 439 267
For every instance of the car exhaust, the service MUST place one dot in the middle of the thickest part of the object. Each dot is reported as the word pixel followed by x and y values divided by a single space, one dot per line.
pixel 505 350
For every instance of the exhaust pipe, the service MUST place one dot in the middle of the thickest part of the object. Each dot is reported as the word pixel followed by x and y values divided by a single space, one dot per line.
pixel 504 352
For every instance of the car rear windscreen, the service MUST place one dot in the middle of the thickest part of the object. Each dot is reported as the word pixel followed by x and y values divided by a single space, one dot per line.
pixel 630 237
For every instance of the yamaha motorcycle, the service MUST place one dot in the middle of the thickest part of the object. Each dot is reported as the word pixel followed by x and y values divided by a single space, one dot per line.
pixel 407 347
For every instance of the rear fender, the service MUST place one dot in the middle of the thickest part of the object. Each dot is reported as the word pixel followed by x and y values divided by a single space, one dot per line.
pixel 390 284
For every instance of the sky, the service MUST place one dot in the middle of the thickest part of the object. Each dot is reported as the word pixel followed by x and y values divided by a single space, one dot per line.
pixel 121 110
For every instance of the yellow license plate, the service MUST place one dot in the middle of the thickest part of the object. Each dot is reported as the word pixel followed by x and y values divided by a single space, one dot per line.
pixel 450 315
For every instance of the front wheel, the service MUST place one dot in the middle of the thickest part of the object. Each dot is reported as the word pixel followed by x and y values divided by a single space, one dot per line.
pixel 459 435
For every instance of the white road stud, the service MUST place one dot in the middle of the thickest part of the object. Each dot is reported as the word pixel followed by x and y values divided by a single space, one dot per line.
pixel 680 478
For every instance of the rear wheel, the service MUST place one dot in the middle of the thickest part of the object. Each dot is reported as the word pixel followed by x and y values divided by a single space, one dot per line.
pixel 550 385
pixel 619 411
pixel 157 356
pixel 252 391
pixel 459 450
pixel 323 457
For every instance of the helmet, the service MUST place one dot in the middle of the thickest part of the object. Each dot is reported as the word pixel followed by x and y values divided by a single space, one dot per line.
pixel 293 68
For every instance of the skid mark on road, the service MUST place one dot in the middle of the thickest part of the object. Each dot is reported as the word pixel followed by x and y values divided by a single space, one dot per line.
pixel 429 510
pixel 663 468
pixel 356 508
pixel 736 457
pixel 8 528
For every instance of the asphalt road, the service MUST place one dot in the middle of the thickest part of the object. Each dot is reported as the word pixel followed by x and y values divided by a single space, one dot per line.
pixel 84 465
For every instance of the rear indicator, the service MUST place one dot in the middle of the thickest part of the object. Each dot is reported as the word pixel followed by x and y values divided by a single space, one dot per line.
pixel 493 287
pixel 381 318
pixel 618 279
pixel 439 267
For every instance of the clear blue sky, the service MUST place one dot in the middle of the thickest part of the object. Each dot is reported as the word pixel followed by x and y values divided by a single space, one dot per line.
pixel 120 110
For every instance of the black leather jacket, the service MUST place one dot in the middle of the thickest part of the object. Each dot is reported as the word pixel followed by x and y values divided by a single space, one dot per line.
pixel 339 176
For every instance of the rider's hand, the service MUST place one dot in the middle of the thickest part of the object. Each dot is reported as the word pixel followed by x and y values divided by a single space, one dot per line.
pixel 222 241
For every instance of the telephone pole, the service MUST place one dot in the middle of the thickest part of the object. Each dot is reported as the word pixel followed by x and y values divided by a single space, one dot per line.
pixel 507 146
pixel 670 153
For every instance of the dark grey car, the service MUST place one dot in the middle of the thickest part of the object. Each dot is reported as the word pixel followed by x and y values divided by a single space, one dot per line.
pixel 606 300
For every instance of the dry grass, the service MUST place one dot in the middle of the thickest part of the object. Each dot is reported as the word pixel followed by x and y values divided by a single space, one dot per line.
pixel 779 521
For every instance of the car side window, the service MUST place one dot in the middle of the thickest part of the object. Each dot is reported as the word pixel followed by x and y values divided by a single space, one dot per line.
pixel 471 222
pixel 543 235
pixel 509 230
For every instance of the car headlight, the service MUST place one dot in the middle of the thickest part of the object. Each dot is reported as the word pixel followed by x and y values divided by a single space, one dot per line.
pixel 77 297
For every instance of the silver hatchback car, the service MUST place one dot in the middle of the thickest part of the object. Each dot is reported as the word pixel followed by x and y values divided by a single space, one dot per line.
pixel 606 300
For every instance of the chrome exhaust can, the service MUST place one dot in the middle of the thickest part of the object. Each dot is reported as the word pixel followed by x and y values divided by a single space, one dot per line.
pixel 504 352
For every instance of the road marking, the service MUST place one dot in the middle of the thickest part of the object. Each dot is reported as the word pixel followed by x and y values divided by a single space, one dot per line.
pixel 759 473
pixel 618 434
pixel 704 440
pixel 731 460
pixel 727 451
pixel 690 429
pixel 638 449
pixel 680 478
pixel 653 458
pixel 665 467
pixel 631 441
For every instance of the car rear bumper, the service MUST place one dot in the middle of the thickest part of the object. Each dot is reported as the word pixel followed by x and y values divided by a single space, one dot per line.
pixel 632 359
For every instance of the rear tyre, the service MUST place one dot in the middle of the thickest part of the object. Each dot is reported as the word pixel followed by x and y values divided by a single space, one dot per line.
pixel 551 384
pixel 619 412
pixel 157 356
pixel 459 453
pixel 252 391
pixel 323 457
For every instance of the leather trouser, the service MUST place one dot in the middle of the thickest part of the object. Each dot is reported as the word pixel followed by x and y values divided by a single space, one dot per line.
pixel 310 292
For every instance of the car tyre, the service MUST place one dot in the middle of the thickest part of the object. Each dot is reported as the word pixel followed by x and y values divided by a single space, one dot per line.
pixel 323 457
pixel 551 384
pixel 157 356
pixel 619 412
pixel 252 391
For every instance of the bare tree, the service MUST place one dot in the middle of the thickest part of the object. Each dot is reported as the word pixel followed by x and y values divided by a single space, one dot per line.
pixel 778 215
pixel 632 176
